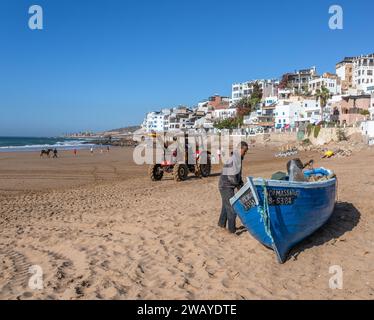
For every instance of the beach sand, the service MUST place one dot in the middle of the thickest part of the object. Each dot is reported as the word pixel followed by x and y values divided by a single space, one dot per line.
pixel 100 229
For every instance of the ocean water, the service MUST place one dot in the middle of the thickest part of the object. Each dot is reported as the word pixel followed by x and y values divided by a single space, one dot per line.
pixel 9 144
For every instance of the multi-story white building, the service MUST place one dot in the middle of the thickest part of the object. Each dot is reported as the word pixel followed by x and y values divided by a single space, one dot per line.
pixel 269 88
pixel 329 82
pixel 155 121
pixel 287 113
pixel 298 81
pixel 363 73
pixel 181 118
pixel 223 113
pixel 311 111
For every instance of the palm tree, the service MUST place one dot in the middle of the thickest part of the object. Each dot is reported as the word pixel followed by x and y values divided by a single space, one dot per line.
pixel 256 95
pixel 323 95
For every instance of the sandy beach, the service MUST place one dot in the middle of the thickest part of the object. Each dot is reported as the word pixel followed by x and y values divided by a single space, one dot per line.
pixel 100 229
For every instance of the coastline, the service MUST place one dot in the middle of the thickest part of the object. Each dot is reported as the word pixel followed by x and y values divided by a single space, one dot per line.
pixel 71 144
pixel 32 144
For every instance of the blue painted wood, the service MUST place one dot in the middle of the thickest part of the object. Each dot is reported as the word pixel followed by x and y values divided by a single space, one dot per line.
pixel 296 210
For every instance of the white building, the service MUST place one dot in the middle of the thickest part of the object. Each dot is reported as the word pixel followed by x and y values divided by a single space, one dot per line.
pixel 328 82
pixel 223 113
pixel 367 130
pixel 269 88
pixel 311 111
pixel 298 81
pixel 287 113
pixel 203 106
pixel 180 119
pixel 363 73
pixel 155 121
pixel 270 101
pixel 204 123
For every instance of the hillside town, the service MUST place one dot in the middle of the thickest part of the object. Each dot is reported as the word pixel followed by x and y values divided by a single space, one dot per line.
pixel 297 99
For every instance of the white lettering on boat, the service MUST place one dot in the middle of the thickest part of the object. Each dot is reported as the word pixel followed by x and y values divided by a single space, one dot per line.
pixel 282 197
pixel 248 200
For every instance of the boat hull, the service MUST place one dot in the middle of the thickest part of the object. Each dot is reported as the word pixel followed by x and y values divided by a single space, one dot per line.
pixel 290 211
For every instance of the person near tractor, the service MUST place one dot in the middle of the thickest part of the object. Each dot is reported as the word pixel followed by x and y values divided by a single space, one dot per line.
pixel 231 179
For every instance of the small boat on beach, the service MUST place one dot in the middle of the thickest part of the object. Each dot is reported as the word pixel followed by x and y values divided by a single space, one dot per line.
pixel 280 214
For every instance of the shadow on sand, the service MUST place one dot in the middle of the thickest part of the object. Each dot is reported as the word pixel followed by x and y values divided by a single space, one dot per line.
pixel 344 219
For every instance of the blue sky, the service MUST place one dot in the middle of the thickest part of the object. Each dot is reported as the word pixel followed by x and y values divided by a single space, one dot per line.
pixel 103 64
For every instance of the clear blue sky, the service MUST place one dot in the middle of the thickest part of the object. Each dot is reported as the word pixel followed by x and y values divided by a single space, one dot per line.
pixel 103 64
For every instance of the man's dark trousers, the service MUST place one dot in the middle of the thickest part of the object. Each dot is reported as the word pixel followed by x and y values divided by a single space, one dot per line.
pixel 228 215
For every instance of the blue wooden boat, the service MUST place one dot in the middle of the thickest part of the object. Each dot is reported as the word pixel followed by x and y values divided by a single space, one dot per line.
pixel 279 214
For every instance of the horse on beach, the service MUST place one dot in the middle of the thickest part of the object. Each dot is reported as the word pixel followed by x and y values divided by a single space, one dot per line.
pixel 46 152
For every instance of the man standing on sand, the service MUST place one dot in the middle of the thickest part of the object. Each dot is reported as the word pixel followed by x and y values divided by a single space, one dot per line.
pixel 231 179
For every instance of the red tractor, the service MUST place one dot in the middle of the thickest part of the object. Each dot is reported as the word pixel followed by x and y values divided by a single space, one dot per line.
pixel 198 162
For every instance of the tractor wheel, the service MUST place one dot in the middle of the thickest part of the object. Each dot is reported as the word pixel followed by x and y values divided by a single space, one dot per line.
pixel 180 172
pixel 204 170
pixel 155 172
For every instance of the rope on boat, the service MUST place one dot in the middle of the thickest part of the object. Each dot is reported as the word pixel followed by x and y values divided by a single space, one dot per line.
pixel 265 212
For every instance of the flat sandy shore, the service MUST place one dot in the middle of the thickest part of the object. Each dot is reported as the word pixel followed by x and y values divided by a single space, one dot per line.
pixel 100 229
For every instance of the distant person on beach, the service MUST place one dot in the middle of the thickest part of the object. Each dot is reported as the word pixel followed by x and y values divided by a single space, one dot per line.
pixel 75 152
pixel 107 149
pixel 231 179
pixel 55 153
pixel 91 150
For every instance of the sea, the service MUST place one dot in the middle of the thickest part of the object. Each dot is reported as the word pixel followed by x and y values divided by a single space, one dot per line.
pixel 10 144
